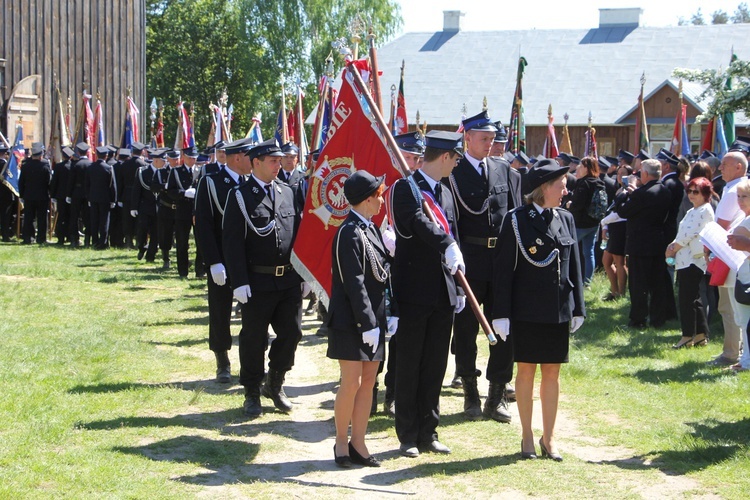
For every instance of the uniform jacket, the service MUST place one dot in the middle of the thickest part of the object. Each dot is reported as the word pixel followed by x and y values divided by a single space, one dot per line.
pixel 33 183
pixel 677 190
pixel 144 200
pixel 100 183
pixel 420 275
pixel 298 182
pixel 646 210
pixel 76 188
pixel 503 189
pixel 244 247
pixel 125 177
pixel 527 292
pixel 58 187
pixel 358 297
pixel 210 200
pixel 179 180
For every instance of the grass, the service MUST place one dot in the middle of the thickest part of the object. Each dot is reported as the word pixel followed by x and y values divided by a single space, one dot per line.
pixel 108 392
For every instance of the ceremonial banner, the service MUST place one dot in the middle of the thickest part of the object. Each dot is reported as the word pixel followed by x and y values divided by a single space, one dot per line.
pixel 98 130
pixel 255 133
pixel 401 122
pixel 680 141
pixel 130 128
pixel 714 139
pixel 565 146
pixel 517 131
pixel 550 142
pixel 59 136
pixel 355 142
pixel 591 149
pixel 641 127
pixel 13 167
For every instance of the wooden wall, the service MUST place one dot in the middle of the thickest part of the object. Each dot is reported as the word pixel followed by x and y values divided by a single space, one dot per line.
pixel 101 43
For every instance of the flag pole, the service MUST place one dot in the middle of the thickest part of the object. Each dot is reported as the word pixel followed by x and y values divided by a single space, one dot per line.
pixel 375 74
pixel 401 164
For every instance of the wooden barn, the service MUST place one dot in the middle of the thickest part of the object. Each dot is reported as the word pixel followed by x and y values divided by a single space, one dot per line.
pixel 94 45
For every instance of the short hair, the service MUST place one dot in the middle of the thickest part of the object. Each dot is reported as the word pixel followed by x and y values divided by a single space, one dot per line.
pixel 704 186
pixel 432 154
pixel 683 166
pixel 651 167
pixel 700 169
pixel 744 185
pixel 627 168
pixel 592 166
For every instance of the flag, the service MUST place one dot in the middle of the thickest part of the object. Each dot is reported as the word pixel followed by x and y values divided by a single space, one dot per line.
pixel 97 134
pixel 159 136
pixel 282 130
pixel 550 142
pixel 184 135
pixel 400 122
pixel 230 117
pixel 354 141
pixel 641 127
pixel 130 127
pixel 85 125
pixel 300 126
pixel 291 126
pixel 714 139
pixel 680 141
pixel 591 149
pixel 59 134
pixel 13 167
pixel 326 103
pixel 565 146
pixel 517 132
pixel 68 130
pixel 255 133
pixel 728 117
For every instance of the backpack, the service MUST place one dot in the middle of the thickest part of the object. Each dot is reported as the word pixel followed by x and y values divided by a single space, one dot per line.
pixel 598 205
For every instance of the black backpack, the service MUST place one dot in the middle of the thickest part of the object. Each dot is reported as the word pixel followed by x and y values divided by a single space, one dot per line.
pixel 599 203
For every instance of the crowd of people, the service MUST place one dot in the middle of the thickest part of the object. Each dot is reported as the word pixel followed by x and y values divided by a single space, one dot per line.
pixel 517 231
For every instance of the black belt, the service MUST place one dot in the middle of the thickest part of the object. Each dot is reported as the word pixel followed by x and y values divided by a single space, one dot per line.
pixel 163 203
pixel 482 242
pixel 275 270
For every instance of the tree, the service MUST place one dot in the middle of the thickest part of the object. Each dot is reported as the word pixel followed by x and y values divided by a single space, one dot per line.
pixel 742 14
pixel 723 100
pixel 697 19
pixel 719 17
pixel 195 49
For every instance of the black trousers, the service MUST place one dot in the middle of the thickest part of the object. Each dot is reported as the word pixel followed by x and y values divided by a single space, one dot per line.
pixel 424 339
pixel 147 235
pixel 283 311
pixel 35 211
pixel 219 316
pixel 128 225
pixel 62 226
pixel 7 208
pixel 465 330
pixel 648 294
pixel 79 210
pixel 99 222
pixel 116 238
pixel 391 366
pixel 165 220
pixel 692 314
pixel 182 228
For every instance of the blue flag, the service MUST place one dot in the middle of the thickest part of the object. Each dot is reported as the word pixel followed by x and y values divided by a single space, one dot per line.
pixel 13 168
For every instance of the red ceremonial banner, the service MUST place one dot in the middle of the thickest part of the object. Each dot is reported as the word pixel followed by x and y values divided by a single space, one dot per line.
pixel 355 142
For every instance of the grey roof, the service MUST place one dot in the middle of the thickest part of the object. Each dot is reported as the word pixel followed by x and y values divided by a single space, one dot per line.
pixel 576 71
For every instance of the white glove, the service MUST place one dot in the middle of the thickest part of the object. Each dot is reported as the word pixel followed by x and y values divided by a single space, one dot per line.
pixel 190 193
pixel 460 303
pixel 454 258
pixel 576 323
pixel 112 205
pixel 306 289
pixel 242 293
pixel 392 327
pixel 119 204
pixel 389 240
pixel 68 200
pixel 501 327
pixel 134 213
pixel 54 204
pixel 219 274
pixel 372 338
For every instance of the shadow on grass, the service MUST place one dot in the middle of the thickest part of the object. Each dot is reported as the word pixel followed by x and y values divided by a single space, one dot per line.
pixel 709 443
pixel 208 386
pixel 201 320
pixel 690 371
pixel 180 343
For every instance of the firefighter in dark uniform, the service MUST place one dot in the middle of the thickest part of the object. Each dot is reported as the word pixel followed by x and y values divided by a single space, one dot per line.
pixel 167 206
pixel 126 182
pixel 101 196
pixel 33 189
pixel 58 187
pixel 427 255
pixel 484 189
pixel 181 194
pixel 291 175
pixel 118 214
pixel 210 199
pixel 8 198
pixel 76 196
pixel 145 206
pixel 260 224
pixel 220 158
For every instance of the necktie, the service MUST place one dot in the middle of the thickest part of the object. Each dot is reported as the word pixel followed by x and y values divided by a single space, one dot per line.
pixel 547 215
pixel 439 193
pixel 269 192
pixel 481 169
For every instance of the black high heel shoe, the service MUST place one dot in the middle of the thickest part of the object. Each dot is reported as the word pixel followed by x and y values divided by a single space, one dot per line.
pixel 360 460
pixel 527 455
pixel 546 454
pixel 344 462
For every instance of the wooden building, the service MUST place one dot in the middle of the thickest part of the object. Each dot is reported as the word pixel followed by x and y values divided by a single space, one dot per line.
pixel 94 45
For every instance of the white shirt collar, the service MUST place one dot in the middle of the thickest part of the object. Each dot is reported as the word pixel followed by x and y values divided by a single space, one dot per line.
pixel 260 182
pixel 538 208
pixel 474 162
pixel 430 181
pixel 366 221
pixel 234 175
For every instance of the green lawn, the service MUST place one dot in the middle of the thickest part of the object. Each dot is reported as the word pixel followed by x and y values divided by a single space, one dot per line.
pixel 108 392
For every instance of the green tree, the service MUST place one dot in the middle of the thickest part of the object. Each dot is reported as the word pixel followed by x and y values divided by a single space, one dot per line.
pixel 195 49
pixel 722 100
pixel 742 14
pixel 697 19
pixel 719 17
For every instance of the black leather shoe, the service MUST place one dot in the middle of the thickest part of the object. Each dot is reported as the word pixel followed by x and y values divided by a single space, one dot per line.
pixel 252 407
pixel 409 450
pixel 437 447
pixel 527 455
pixel 546 454
pixel 344 462
pixel 496 405
pixel 360 460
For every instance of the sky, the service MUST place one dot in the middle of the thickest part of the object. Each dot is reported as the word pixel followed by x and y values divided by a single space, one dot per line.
pixel 484 15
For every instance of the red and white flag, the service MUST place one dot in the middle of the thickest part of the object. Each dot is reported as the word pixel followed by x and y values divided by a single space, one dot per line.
pixel 355 143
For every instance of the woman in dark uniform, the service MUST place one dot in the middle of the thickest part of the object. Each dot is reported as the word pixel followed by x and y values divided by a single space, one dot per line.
pixel 357 315
pixel 613 259
pixel 539 296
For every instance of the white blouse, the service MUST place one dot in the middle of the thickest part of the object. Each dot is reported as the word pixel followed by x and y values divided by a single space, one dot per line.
pixel 687 237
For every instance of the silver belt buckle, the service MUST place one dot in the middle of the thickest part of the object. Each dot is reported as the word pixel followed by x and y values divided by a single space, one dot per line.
pixel 279 271
pixel 491 242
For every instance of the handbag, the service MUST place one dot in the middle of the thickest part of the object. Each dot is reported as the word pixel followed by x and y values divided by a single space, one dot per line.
pixel 718 270
pixel 742 290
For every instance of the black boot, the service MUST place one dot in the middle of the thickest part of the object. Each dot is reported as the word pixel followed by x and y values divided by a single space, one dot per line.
pixel 223 367
pixel 252 407
pixel 496 406
pixel 472 405
pixel 273 390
